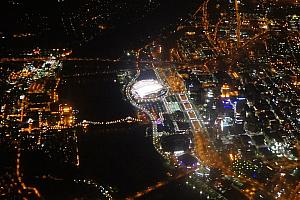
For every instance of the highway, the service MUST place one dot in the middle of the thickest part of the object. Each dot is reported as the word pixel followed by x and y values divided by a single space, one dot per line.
pixel 204 148
pixel 162 78
pixel 24 188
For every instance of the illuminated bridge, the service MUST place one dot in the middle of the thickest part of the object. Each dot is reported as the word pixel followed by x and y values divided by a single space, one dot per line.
pixel 127 120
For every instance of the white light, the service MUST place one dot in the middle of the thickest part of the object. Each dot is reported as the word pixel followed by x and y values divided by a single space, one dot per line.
pixel 146 87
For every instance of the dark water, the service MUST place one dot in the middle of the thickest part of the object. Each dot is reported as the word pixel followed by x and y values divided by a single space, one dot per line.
pixel 96 98
pixel 120 156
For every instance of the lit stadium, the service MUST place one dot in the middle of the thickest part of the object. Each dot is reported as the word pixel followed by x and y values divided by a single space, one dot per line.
pixel 148 88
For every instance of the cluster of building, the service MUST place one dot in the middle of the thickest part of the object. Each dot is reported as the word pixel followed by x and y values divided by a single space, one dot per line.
pixel 33 120
pixel 240 92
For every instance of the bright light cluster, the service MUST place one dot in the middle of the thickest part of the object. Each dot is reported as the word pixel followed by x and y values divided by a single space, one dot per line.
pixel 146 88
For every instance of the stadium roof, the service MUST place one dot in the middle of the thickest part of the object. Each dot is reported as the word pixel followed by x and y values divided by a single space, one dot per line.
pixel 146 87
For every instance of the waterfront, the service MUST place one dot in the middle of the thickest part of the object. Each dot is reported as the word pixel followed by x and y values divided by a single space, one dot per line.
pixel 120 156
